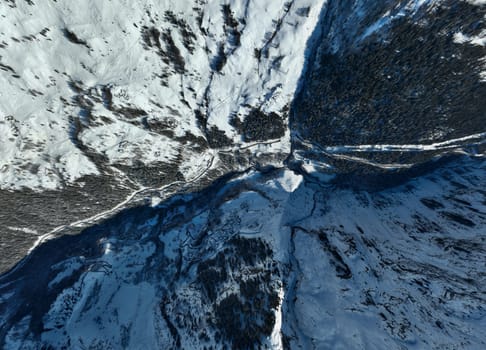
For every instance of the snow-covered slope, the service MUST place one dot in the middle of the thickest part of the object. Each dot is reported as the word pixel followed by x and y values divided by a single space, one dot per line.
pixel 89 85
pixel 102 102
pixel 266 260
pixel 390 84
pixel 179 196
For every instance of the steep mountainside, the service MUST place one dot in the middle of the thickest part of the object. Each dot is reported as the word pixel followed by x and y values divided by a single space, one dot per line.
pixel 393 83
pixel 243 174
pixel 100 102
pixel 266 261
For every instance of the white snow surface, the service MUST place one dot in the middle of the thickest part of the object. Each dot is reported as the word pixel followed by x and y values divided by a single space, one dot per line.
pixel 400 268
pixel 39 120
pixel 414 253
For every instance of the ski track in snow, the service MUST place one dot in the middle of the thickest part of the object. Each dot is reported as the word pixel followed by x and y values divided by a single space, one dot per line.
pixel 110 212
pixel 438 146
pixel 339 152
pixel 444 145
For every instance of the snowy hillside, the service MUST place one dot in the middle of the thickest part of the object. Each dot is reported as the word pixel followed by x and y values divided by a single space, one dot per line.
pixel 91 85
pixel 100 100
pixel 391 84
pixel 266 261
pixel 240 174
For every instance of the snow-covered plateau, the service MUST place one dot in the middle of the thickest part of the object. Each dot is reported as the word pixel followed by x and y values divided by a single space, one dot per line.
pixel 243 174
